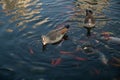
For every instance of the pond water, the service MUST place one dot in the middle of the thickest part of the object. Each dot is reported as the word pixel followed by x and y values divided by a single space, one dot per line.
pixel 22 22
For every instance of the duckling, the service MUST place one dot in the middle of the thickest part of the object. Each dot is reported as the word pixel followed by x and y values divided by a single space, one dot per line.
pixel 89 21
pixel 54 36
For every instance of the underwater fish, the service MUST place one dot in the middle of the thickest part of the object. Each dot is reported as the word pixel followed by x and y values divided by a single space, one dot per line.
pixel 115 40
pixel 56 62
pixel 103 58
pixel 80 58
pixel 31 51
pixel 65 52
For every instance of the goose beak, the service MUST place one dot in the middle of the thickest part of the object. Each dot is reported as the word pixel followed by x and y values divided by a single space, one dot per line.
pixel 44 43
pixel 43 40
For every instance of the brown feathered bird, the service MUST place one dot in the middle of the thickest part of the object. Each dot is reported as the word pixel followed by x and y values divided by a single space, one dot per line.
pixel 89 21
pixel 54 36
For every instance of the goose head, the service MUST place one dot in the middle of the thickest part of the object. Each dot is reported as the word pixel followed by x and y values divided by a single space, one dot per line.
pixel 67 26
pixel 88 12
pixel 89 19
pixel 45 40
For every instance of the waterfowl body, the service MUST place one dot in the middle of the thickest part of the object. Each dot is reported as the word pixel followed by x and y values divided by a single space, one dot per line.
pixel 54 36
pixel 89 21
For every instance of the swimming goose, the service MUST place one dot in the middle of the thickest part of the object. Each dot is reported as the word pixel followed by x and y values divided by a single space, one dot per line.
pixel 89 21
pixel 54 36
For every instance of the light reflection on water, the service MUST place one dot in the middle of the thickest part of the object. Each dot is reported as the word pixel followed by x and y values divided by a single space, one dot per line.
pixel 24 21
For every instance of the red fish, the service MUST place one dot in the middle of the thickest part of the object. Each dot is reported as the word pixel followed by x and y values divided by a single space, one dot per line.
pixel 65 52
pixel 53 62
pixel 31 51
pixel 96 71
pixel 79 58
pixel 58 61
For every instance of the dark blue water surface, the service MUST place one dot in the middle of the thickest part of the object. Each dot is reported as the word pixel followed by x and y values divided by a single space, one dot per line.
pixel 22 22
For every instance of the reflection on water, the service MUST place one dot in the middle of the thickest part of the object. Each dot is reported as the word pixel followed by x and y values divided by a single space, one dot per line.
pixel 22 22
pixel 21 13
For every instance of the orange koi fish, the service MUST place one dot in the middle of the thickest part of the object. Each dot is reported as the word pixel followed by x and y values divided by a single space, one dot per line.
pixel 31 51
pixel 65 52
pixel 80 58
pixel 56 62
